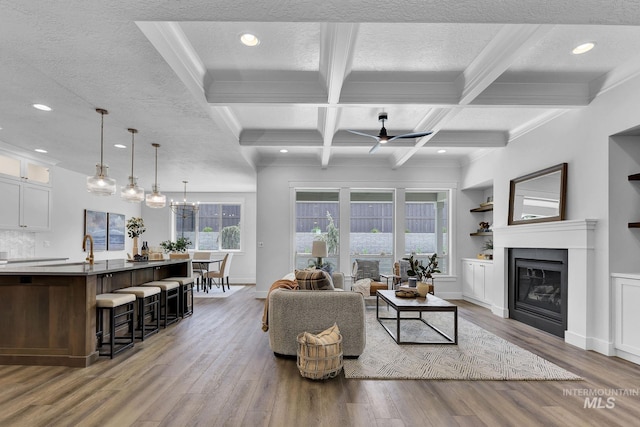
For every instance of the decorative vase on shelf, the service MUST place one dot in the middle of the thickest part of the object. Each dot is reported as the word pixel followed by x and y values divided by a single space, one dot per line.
pixel 135 246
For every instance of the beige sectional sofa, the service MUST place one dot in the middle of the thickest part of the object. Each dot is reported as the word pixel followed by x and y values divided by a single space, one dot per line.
pixel 293 312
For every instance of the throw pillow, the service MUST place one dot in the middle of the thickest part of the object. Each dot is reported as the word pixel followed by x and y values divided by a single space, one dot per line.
pixel 362 286
pixel 368 269
pixel 314 280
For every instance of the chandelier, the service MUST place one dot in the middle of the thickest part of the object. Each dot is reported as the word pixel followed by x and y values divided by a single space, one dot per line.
pixel 184 208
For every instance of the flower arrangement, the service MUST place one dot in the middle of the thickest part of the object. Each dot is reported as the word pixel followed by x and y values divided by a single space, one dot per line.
pixel 135 227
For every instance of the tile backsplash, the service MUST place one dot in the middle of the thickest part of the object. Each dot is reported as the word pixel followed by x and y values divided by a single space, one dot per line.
pixel 18 244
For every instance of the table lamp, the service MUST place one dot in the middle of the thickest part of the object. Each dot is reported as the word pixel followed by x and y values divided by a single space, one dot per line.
pixel 319 250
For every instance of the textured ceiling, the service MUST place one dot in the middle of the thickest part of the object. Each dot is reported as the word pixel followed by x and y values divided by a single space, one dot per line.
pixel 177 73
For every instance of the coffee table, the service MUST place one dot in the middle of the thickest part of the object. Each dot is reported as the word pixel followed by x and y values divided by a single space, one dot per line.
pixel 420 305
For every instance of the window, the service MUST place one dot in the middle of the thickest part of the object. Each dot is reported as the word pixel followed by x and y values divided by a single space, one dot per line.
pixel 426 226
pixel 317 217
pixel 371 233
pixel 215 227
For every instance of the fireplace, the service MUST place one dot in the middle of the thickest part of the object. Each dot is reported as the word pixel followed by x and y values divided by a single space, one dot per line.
pixel 538 288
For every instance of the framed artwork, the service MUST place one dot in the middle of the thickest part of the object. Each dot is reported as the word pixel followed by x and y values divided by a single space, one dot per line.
pixel 95 225
pixel 115 232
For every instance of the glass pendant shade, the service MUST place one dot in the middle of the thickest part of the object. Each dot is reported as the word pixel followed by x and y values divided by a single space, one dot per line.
pixel 131 192
pixel 101 184
pixel 156 200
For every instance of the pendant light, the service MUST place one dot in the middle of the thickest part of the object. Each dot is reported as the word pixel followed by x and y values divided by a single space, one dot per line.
pixel 155 199
pixel 131 192
pixel 101 184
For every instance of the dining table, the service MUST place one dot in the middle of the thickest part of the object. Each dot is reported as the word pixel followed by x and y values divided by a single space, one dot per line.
pixel 203 266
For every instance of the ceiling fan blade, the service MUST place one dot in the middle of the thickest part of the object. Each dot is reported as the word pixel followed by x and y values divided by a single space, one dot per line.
pixel 363 134
pixel 374 148
pixel 411 135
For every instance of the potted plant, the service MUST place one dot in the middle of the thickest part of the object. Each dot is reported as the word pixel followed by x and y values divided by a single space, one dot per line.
pixel 488 249
pixel 135 227
pixel 180 245
pixel 422 272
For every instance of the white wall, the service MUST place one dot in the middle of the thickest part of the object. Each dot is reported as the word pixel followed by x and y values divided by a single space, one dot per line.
pixel 275 207
pixel 243 265
pixel 580 138
pixel 69 200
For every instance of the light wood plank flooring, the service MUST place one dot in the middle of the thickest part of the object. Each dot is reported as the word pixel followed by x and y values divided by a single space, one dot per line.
pixel 216 369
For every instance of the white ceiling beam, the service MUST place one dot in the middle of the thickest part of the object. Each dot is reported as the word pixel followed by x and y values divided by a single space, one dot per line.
pixel 510 43
pixel 399 92
pixel 171 42
pixel 565 95
pixel 280 137
pixel 336 52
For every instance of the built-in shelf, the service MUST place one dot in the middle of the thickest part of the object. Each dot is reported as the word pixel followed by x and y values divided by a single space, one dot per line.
pixel 484 208
pixel 634 177
pixel 490 233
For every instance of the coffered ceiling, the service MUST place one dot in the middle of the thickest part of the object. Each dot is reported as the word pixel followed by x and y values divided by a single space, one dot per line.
pixel 220 110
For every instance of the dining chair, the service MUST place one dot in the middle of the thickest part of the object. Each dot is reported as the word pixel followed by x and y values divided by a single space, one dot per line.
pixel 222 273
pixel 200 269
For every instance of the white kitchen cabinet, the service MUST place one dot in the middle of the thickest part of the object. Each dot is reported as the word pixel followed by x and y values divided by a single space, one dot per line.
pixel 476 276
pixel 23 169
pixel 24 206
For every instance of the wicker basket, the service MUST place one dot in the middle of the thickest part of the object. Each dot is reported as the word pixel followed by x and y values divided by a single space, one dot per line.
pixel 319 361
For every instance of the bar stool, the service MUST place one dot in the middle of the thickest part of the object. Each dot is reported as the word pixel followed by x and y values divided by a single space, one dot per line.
pixel 148 298
pixel 186 294
pixel 169 294
pixel 120 308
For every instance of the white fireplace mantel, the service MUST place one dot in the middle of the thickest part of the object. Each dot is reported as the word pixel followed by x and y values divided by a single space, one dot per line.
pixel 577 236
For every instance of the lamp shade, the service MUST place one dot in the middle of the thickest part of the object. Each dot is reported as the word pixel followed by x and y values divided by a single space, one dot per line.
pixel 319 249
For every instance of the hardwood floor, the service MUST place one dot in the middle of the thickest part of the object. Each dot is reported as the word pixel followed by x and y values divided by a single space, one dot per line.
pixel 215 368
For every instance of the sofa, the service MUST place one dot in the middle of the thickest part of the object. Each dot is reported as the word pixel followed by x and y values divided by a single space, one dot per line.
pixel 294 311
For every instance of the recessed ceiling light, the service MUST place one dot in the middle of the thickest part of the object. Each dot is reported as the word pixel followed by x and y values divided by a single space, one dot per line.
pixel 583 48
pixel 249 39
pixel 42 107
pixel 442 151
pixel 119 146
pixel 284 150
pixel 40 150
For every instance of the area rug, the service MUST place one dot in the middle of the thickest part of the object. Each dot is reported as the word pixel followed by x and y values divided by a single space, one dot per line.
pixel 216 292
pixel 479 355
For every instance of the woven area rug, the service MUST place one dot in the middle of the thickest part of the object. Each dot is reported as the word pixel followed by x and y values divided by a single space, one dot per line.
pixel 216 292
pixel 479 355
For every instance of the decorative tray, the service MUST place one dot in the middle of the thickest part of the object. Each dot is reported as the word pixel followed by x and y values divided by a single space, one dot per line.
pixel 406 294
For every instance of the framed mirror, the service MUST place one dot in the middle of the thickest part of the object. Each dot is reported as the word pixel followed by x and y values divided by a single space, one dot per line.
pixel 539 196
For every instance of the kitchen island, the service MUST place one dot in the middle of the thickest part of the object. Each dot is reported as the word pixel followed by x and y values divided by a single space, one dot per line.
pixel 48 312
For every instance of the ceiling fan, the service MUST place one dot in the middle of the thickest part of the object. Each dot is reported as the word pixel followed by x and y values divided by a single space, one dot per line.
pixel 383 138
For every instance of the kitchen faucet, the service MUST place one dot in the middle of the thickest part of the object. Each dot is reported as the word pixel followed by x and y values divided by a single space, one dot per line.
pixel 84 247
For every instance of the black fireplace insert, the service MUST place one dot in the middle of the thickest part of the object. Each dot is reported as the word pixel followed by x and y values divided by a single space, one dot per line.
pixel 538 288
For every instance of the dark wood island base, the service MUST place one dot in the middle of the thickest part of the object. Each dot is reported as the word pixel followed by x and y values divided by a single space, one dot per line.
pixel 48 313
